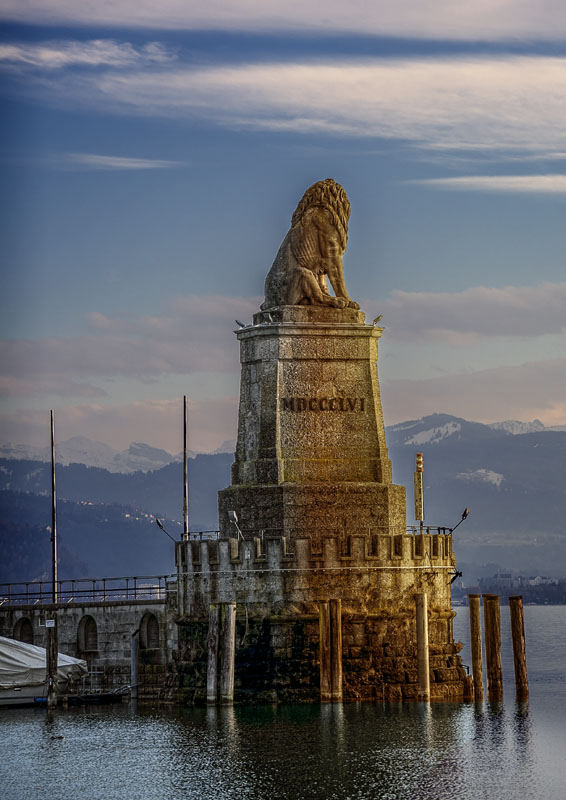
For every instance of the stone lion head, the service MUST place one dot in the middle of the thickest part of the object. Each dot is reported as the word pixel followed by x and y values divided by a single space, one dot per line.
pixel 329 195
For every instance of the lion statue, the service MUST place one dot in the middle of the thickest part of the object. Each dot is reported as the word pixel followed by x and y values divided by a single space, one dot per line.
pixel 312 249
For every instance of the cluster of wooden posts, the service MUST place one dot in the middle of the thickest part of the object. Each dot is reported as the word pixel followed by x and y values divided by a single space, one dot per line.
pixel 492 624
pixel 222 647
pixel 492 627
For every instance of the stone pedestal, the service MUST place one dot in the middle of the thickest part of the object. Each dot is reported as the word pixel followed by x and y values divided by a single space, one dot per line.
pixel 311 454
pixel 319 563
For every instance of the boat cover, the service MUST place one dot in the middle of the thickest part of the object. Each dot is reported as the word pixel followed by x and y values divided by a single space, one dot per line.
pixel 24 664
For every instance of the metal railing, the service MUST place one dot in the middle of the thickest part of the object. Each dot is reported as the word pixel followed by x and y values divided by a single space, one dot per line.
pixel 146 587
pixel 87 590
pixel 251 533
pixel 433 529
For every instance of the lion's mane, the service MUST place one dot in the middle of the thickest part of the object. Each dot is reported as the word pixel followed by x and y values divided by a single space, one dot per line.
pixel 329 195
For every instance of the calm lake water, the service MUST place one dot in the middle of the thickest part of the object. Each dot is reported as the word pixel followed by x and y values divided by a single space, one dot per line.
pixel 382 752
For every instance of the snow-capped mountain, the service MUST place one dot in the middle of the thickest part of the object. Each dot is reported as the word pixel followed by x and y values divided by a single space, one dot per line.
pixel 81 450
pixel 438 428
pixel 229 446
pixel 515 427
pixel 430 430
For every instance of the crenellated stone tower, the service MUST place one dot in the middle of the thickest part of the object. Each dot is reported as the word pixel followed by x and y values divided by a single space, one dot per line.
pixel 310 590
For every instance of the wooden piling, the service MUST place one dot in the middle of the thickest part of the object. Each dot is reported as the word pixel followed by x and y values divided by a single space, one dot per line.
pixel 134 671
pixel 325 652
pixel 475 638
pixel 51 656
pixel 336 649
pixel 519 658
pixel 492 627
pixel 212 646
pixel 422 646
pixel 228 654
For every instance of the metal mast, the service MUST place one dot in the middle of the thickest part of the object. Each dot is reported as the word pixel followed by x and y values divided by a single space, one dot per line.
pixel 185 473
pixel 53 515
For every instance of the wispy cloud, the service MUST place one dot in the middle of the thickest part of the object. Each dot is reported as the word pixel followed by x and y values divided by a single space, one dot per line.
pixel 466 104
pixel 516 184
pixel 157 422
pixel 193 334
pixel 91 161
pixel 528 391
pixel 442 19
pixel 463 317
pixel 524 392
pixel 95 53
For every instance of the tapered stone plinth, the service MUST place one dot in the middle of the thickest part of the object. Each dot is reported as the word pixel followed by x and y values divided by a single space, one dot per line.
pixel 311 453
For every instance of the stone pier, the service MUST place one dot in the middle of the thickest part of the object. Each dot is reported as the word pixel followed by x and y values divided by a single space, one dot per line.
pixel 319 521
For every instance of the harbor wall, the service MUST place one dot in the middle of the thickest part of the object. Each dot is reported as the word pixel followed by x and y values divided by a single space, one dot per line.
pixel 101 634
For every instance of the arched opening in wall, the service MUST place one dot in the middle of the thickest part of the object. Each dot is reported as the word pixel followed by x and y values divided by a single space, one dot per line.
pixel 23 631
pixel 149 632
pixel 87 635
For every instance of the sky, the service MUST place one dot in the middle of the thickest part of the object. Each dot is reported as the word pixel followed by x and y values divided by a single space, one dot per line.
pixel 152 154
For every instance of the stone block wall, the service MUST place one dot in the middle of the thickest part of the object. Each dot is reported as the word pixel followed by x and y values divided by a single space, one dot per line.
pixel 101 634
pixel 278 588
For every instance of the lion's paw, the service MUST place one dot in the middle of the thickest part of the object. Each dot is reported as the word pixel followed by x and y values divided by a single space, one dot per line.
pixel 338 302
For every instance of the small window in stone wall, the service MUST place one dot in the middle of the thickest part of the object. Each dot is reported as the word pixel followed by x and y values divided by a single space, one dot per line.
pixel 149 632
pixel 87 635
pixel 23 631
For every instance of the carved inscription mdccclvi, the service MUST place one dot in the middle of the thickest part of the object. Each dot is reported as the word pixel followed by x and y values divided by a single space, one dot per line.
pixel 352 404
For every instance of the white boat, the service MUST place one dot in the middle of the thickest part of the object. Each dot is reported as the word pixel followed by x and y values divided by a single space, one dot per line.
pixel 23 672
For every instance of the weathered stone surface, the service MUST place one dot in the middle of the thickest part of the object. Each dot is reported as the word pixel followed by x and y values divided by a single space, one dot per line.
pixel 108 652
pixel 310 408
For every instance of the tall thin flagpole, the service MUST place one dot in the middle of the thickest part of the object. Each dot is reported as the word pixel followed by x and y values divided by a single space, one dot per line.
pixel 53 514
pixel 185 473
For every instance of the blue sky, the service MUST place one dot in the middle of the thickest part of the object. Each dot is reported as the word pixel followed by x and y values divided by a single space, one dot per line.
pixel 152 156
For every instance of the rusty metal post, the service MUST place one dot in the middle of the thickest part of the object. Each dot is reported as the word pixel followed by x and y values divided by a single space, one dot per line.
pixel 519 658
pixel 325 652
pixel 475 639
pixel 422 646
pixel 492 626
pixel 336 649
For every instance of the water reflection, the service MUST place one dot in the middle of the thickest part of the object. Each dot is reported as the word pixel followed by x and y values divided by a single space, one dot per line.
pixel 356 751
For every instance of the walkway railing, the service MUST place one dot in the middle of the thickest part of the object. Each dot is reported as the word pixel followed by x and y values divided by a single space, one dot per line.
pixel 90 590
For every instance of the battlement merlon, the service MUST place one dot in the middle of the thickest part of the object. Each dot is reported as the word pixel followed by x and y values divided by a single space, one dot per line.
pixel 369 573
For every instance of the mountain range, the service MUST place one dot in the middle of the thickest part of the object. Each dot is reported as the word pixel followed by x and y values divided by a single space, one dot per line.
pixel 510 474
pixel 138 457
